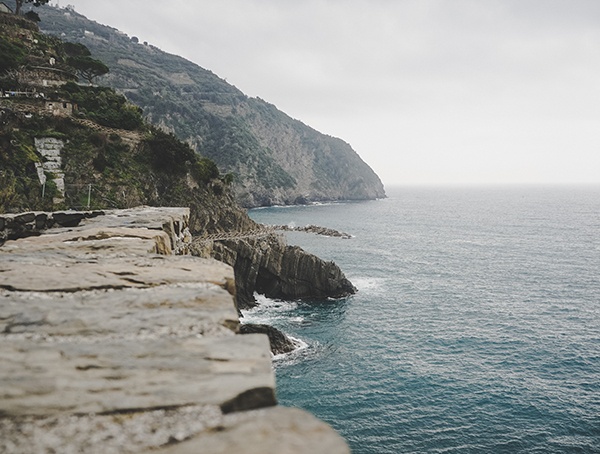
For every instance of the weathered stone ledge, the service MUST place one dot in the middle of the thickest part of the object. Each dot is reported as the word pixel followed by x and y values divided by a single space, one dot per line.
pixel 173 221
pixel 109 342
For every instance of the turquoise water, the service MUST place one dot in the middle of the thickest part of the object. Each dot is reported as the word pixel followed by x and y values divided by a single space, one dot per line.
pixel 476 327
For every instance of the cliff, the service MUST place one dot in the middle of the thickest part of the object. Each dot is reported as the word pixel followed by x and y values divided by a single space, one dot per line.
pixel 111 343
pixel 104 330
pixel 274 159
pixel 268 266
pixel 73 147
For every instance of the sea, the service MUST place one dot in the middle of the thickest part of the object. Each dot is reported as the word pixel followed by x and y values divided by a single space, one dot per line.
pixel 475 328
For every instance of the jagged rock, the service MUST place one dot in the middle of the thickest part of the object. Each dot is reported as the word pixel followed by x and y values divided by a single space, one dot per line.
pixel 269 266
pixel 317 230
pixel 15 226
pixel 279 342
pixel 24 218
pixel 40 221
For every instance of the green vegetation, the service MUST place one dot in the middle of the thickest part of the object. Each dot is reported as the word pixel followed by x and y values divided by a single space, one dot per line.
pixel 272 158
pixel 80 58
pixel 20 188
pixel 104 106
pixel 189 101
pixel 11 54
pixel 160 170
pixel 88 68
pixel 101 168
pixel 164 152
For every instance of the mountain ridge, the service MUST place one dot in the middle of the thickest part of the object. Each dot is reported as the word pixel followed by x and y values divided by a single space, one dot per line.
pixel 273 158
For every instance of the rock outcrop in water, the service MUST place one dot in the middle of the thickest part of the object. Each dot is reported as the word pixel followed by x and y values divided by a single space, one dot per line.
pixel 280 343
pixel 317 230
pixel 269 266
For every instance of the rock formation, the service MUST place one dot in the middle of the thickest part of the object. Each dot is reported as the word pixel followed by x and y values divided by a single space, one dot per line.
pixel 279 342
pixel 111 343
pixel 269 266
pixel 317 230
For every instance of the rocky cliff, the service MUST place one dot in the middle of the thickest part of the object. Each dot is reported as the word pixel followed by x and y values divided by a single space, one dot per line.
pixel 79 157
pixel 91 311
pixel 268 266
pixel 111 343
pixel 274 158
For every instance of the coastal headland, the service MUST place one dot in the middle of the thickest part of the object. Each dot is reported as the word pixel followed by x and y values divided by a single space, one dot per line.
pixel 115 339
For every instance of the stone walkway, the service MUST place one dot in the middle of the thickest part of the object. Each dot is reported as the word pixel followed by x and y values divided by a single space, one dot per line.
pixel 111 343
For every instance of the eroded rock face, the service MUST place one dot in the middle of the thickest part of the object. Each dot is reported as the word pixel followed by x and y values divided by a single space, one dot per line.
pixel 269 266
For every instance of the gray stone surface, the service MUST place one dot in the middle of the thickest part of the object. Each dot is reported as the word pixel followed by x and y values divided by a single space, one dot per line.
pixel 111 343
pixel 174 222
pixel 171 310
pixel 120 375
pixel 101 262
pixel 270 431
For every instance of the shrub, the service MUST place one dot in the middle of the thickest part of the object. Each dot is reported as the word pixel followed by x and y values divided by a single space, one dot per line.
pixel 205 170
pixel 167 153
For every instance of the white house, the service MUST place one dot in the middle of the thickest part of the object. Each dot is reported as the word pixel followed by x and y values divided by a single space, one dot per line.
pixel 4 8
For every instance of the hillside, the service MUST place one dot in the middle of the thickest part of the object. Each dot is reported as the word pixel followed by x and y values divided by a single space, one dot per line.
pixel 64 145
pixel 70 146
pixel 273 158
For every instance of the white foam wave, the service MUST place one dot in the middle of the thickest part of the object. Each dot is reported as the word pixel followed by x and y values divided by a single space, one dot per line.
pixel 298 343
pixel 368 283
pixel 270 310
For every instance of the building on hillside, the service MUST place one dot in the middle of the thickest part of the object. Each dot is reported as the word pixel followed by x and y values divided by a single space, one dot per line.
pixel 5 9
pixel 59 108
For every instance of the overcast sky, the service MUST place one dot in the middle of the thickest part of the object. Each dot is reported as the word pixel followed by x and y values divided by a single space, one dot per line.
pixel 426 91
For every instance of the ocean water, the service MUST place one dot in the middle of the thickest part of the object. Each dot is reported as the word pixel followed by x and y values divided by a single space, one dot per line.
pixel 476 327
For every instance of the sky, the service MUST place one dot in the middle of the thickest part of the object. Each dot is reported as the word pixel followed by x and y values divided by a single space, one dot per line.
pixel 427 92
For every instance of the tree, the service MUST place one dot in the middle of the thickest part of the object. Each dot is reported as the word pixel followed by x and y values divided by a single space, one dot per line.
pixel 75 49
pixel 32 16
pixel 87 67
pixel 20 3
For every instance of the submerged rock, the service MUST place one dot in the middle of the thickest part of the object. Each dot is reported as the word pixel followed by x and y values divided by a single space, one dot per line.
pixel 280 343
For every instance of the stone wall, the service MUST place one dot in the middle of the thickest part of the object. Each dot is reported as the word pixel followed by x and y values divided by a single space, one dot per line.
pixel 110 342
